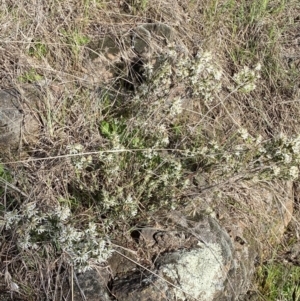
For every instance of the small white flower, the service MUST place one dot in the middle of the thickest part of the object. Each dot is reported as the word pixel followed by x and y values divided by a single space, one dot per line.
pixel 65 213
pixel 41 229
pixel 258 67
pixel 165 141
pixel 11 217
pixel 214 144
pixel 75 148
pixel 68 235
pixel 134 211
pixel 294 172
pixel 243 133
pixel 218 74
pixel 287 158
pixel 262 150
pixel 238 150
pixel 283 138
pixel 109 158
pixel 258 140
pixel 149 67
pixel 246 79
pixel 248 87
pixel 296 145
pixel 24 241
pixel 30 209
pixel 172 53
pixel 92 229
pixel 149 153
pixel 276 170
pixel 129 199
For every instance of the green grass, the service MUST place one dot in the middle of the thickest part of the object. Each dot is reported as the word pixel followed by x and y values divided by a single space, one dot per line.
pixel 279 281
pixel 31 76
pixel 38 49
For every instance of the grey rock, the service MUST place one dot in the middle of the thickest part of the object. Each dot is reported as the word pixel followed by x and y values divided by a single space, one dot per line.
pixel 106 46
pixel 149 35
pixel 118 57
pixel 18 121
pixel 11 117
pixel 144 38
pixel 91 285
pixel 198 273
pixel 141 286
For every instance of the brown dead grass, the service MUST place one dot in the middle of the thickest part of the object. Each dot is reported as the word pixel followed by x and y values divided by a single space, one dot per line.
pixel 71 112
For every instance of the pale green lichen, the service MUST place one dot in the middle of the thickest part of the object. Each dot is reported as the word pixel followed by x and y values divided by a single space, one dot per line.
pixel 199 273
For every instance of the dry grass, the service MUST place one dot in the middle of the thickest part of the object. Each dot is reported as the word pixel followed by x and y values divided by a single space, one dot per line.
pixel 48 42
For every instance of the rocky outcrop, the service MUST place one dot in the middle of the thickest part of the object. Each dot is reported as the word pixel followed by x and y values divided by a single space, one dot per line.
pixel 198 259
pixel 199 270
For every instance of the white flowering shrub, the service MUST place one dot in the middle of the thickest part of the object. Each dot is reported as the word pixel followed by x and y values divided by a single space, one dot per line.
pixel 80 162
pixel 204 75
pixel 154 110
pixel 246 79
pixel 135 181
pixel 36 228
pixel 200 74
pixel 122 183
pixel 250 157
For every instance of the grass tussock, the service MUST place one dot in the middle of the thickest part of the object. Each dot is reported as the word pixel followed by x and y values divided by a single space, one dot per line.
pixel 219 105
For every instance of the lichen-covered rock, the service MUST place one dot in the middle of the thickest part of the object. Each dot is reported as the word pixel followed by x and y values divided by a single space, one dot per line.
pixel 11 118
pixel 200 272
pixel 17 120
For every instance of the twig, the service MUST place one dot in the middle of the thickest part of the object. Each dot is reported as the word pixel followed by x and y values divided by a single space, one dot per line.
pixel 77 283
pixel 7 184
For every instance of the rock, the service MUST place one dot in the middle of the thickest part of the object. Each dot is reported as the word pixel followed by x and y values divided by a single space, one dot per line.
pixel 124 56
pixel 200 272
pixel 106 46
pixel 92 285
pixel 103 57
pixel 11 118
pixel 150 38
pixel 140 286
pixel 196 258
pixel 211 265
pixel 120 265
pixel 17 120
